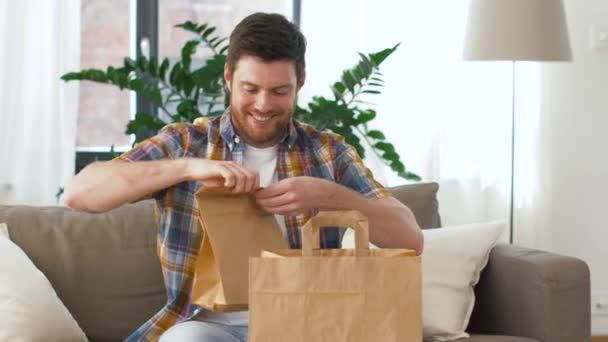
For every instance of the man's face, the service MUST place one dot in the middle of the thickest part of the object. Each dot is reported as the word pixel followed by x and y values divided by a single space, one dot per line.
pixel 262 98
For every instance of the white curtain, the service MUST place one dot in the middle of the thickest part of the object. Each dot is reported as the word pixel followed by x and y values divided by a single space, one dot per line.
pixel 450 120
pixel 40 41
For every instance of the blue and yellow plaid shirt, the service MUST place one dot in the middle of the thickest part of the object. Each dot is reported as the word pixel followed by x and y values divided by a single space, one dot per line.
pixel 303 151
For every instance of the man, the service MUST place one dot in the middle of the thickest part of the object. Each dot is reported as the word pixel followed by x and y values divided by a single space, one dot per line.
pixel 255 147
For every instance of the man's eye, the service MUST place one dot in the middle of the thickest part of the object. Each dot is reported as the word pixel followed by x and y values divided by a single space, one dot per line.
pixel 281 92
pixel 250 90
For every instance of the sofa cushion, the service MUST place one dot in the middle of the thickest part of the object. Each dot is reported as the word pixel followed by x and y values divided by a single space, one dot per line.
pixel 29 307
pixel 103 266
pixel 421 198
pixel 452 262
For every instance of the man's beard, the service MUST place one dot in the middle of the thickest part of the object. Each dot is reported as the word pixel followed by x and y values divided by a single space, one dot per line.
pixel 243 128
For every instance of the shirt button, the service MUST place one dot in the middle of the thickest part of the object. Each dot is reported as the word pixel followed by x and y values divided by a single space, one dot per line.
pixel 237 140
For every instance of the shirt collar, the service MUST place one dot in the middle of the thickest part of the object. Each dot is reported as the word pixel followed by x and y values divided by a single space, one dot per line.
pixel 230 136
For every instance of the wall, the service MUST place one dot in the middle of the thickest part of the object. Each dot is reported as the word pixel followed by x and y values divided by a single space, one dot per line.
pixel 575 119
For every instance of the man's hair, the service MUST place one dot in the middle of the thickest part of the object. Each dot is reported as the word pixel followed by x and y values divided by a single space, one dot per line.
pixel 270 37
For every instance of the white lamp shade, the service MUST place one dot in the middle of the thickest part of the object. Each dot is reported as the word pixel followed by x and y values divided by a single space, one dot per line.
pixel 517 30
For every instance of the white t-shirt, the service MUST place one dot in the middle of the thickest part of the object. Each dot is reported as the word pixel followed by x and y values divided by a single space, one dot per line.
pixel 264 160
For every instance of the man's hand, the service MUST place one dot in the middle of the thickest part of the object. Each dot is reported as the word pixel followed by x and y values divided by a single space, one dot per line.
pixel 223 173
pixel 291 196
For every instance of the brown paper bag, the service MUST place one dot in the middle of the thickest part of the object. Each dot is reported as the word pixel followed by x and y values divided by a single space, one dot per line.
pixel 234 229
pixel 335 295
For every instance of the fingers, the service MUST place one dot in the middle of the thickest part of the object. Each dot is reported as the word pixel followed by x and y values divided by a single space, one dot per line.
pixel 238 181
pixel 242 179
pixel 285 210
pixel 276 201
pixel 214 182
pixel 274 189
pixel 229 174
pixel 284 204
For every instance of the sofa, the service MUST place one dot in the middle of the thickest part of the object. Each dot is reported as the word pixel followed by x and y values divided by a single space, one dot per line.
pixel 105 270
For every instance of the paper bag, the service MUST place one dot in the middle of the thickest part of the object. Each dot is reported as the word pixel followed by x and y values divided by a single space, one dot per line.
pixel 335 295
pixel 234 229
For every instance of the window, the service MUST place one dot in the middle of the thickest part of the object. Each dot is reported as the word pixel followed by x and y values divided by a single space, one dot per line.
pixel 223 14
pixel 103 110
pixel 112 30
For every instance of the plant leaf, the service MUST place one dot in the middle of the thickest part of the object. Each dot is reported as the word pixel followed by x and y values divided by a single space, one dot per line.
pixel 144 121
pixel 376 134
pixel 358 74
pixel 379 57
pixel 94 75
pixel 390 156
pixel 207 32
pixel 130 63
pixel 364 58
pixel 219 42
pixel 153 67
pixel 384 146
pixel 369 91
pixel 174 74
pixel 348 80
pixel 188 26
pixel 409 176
pixel 142 63
pixel 136 85
pixel 366 69
pixel 162 70
pixel 156 97
pixel 366 116
pixel 201 28
pixel 187 51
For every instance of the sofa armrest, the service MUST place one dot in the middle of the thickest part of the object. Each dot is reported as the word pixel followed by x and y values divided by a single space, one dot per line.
pixel 529 293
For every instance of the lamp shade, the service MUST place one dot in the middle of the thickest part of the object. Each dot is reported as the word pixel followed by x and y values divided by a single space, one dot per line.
pixel 517 30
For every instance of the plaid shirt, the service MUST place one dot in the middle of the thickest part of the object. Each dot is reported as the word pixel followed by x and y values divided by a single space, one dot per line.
pixel 303 151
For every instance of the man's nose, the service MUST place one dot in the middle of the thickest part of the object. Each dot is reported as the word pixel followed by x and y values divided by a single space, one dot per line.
pixel 262 102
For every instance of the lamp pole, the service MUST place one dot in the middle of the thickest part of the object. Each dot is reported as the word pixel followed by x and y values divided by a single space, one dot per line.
pixel 512 157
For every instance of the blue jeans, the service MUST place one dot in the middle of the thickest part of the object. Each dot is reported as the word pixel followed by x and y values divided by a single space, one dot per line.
pixel 199 331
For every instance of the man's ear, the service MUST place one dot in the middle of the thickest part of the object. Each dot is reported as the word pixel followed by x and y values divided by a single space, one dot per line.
pixel 301 81
pixel 227 77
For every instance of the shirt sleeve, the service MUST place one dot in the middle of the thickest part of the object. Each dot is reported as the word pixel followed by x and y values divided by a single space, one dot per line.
pixel 167 144
pixel 352 173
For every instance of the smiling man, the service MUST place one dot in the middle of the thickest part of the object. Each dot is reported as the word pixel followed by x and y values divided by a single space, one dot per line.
pixel 255 147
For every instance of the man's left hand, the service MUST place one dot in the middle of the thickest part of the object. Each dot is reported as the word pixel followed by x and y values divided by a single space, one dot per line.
pixel 292 196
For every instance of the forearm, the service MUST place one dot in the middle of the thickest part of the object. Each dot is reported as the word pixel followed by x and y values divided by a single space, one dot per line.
pixel 391 224
pixel 102 186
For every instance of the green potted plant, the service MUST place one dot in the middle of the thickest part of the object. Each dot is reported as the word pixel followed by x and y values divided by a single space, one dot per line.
pixel 183 93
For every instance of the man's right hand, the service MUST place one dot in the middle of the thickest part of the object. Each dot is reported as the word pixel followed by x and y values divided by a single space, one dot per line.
pixel 102 186
pixel 223 173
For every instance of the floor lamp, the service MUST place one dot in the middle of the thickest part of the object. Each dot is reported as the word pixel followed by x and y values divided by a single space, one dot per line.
pixel 516 30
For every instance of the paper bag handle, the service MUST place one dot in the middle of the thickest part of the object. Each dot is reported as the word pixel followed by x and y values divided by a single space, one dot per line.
pixel 342 219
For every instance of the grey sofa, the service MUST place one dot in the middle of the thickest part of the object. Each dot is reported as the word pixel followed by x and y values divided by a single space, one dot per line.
pixel 105 269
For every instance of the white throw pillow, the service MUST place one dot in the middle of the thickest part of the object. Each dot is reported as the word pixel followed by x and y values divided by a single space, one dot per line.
pixel 452 261
pixel 29 307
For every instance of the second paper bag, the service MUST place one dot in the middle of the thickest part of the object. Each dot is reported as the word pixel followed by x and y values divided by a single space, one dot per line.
pixel 234 229
pixel 314 294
